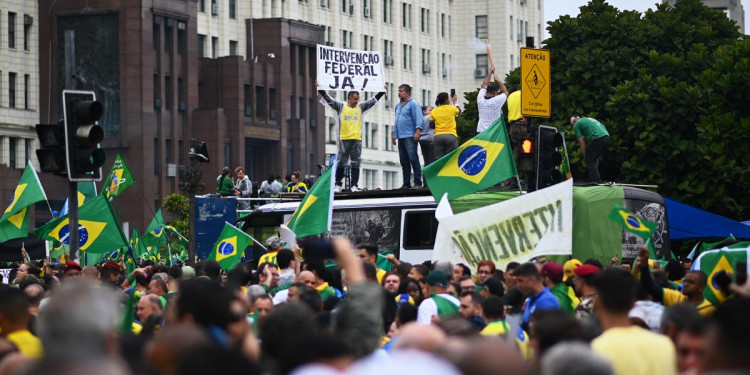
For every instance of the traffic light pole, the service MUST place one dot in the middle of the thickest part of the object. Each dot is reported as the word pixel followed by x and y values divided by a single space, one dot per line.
pixel 73 219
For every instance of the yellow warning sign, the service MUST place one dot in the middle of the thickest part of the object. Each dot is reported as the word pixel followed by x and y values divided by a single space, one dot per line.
pixel 535 82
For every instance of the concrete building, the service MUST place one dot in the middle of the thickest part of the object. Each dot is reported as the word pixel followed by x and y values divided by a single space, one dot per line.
pixel 733 9
pixel 19 91
pixel 432 45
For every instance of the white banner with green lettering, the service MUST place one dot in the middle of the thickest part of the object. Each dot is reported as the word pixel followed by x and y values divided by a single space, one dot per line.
pixel 531 225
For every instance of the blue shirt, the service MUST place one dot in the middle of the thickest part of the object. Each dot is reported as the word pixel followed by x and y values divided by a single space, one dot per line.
pixel 542 300
pixel 408 119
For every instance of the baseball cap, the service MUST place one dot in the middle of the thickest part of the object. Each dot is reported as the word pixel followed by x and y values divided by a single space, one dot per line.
pixel 553 270
pixel 273 242
pixel 586 270
pixel 437 278
pixel 71 265
pixel 112 265
pixel 569 268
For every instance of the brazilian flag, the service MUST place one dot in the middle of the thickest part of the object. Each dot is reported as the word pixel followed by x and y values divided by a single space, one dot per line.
pixel 15 226
pixel 713 262
pixel 633 224
pixel 98 229
pixel 313 215
pixel 481 162
pixel 155 234
pixel 230 247
pixel 119 179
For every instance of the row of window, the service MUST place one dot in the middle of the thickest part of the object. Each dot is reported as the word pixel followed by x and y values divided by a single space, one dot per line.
pixel 370 136
pixel 482 30
pixel 442 20
pixel 370 179
pixel 233 47
pixel 10 148
pixel 13 87
pixel 12 22
pixel 215 8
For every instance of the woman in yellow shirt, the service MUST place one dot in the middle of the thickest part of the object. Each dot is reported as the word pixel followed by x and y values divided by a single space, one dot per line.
pixel 444 118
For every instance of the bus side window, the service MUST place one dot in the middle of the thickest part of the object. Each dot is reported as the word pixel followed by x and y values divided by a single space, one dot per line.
pixel 420 228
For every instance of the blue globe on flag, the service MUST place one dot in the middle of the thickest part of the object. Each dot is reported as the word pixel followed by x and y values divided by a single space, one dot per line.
pixel 83 235
pixel 472 160
pixel 226 248
pixel 633 222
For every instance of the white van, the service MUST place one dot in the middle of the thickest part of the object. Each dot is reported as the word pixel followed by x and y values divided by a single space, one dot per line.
pixel 398 221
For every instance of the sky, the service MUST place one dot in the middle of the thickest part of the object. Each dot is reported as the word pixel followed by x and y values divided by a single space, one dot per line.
pixel 553 9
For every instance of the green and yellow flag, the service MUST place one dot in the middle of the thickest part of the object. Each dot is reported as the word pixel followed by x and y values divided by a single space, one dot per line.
pixel 314 213
pixel 98 229
pixel 15 226
pixel 481 162
pixel 119 179
pixel 230 246
pixel 155 235
pixel 713 262
pixel 58 249
pixel 15 220
pixel 633 224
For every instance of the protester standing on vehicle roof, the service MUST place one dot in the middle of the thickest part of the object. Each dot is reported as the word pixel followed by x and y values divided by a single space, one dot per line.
pixel 590 130
pixel 407 130
pixel 444 117
pixel 349 118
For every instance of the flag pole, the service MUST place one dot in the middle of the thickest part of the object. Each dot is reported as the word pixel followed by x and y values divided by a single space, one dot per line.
pixel 518 181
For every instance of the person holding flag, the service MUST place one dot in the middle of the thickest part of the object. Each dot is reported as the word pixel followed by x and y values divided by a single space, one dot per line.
pixel 313 215
pixel 692 287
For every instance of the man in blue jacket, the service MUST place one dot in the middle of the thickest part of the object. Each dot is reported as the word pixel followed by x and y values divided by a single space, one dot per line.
pixel 407 130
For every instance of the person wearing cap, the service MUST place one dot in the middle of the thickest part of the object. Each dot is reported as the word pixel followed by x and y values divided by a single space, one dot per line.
pixel 590 130
pixel 537 295
pixel 273 245
pixel 584 285
pixel 224 184
pixel 553 279
pixel 110 274
pixel 71 270
pixel 441 303
pixel 569 268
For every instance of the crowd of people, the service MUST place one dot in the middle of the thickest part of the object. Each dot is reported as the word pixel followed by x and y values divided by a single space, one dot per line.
pixel 328 309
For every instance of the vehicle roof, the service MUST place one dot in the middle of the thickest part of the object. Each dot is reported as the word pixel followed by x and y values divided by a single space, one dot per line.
pixel 427 201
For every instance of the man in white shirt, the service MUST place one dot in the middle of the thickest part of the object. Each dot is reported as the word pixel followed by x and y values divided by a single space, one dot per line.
pixel 489 103
pixel 441 304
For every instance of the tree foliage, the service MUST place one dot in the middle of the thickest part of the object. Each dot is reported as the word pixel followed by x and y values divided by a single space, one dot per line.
pixel 671 86
pixel 178 206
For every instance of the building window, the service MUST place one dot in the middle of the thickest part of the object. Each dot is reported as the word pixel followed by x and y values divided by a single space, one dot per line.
pixel 181 39
pixel 481 27
pixel 387 11
pixel 343 6
pixel 442 25
pixel 168 151
pixel 511 27
pixel 233 48
pixel 214 46
pixel 388 145
pixel 26 151
pixel 233 9
pixel 11 30
pixel 406 56
pixel 12 152
pixel 228 154
pixel 482 62
pixel 157 157
pixel 202 6
pixel 370 178
pixel 168 98
pixel 389 178
pixel 248 101
pixel 425 20
pixel 26 83
pixel 331 132
pixel 26 34
pixel 12 90
pixel 155 37
pixel 260 101
pixel 168 38
pixel 201 45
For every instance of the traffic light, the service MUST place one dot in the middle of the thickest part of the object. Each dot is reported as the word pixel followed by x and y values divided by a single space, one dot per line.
pixel 51 152
pixel 549 141
pixel 83 135
pixel 525 162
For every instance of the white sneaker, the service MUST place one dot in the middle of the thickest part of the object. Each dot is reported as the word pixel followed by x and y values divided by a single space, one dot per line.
pixel 337 189
pixel 354 189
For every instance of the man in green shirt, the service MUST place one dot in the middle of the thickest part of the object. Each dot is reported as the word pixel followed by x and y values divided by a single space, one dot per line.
pixel 553 275
pixel 590 130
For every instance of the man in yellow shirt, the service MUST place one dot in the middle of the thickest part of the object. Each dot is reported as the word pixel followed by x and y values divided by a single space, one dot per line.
pixel 631 349
pixel 14 322
pixel 349 118
pixel 369 253
pixel 692 288
pixel 273 245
